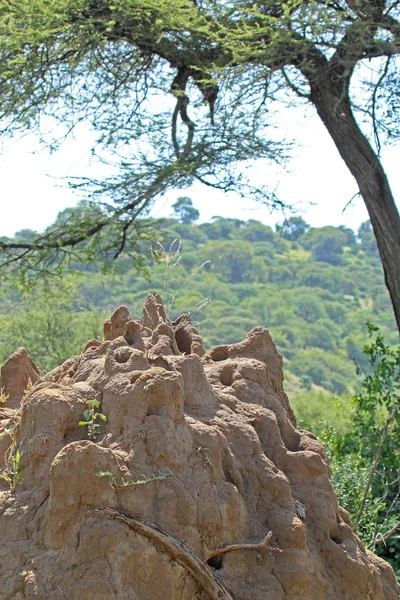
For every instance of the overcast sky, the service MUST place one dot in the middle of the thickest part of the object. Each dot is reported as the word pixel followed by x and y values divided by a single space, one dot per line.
pixel 33 191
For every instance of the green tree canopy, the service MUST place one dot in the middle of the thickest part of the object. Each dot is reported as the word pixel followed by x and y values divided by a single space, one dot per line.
pixel 222 228
pixel 187 212
pixel 327 243
pixel 308 306
pixel 256 232
pixel 177 91
pixel 293 228
pixel 231 260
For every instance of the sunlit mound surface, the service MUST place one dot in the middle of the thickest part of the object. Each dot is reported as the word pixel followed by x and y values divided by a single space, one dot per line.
pixel 147 468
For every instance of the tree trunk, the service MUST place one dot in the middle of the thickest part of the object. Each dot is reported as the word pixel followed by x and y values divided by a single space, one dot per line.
pixel 334 108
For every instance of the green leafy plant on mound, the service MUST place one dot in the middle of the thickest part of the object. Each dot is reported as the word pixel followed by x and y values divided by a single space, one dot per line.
pixel 91 417
pixel 13 473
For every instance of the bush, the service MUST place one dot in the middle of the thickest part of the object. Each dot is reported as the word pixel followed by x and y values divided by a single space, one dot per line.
pixel 365 461
pixel 50 325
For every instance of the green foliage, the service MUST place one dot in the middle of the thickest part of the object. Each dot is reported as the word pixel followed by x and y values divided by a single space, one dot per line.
pixel 315 311
pixel 222 229
pixel 309 307
pixel 171 258
pixel 315 408
pixel 183 207
pixel 365 460
pixel 293 228
pixel 231 260
pixel 127 89
pixel 367 240
pixel 327 369
pixel 50 322
pixel 13 474
pixel 177 92
pixel 3 396
pixel 254 231
pixel 327 243
pixel 349 476
pixel 91 417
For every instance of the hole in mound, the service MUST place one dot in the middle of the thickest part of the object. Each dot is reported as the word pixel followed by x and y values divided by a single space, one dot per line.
pixel 215 562
pixel 155 411
pixel 183 340
pixel 225 376
pixel 228 475
pixel 123 355
pixel 132 336
pixel 336 539
pixel 219 353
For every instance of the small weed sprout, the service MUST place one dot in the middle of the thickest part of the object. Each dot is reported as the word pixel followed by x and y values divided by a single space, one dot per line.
pixel 91 417
pixel 51 580
pixel 13 474
pixel 12 457
pixel 3 396
pixel 120 482
pixel 28 390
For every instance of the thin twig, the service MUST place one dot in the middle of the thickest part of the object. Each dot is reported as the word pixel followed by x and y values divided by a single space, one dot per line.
pixel 294 87
pixel 382 539
pixel 375 464
pixel 233 547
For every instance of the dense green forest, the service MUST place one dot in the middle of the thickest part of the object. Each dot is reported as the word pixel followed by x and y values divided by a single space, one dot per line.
pixel 313 288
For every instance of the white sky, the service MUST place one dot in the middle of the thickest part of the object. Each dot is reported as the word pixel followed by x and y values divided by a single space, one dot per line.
pixel 33 192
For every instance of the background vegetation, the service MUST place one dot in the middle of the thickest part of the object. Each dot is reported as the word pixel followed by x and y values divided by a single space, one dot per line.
pixel 314 288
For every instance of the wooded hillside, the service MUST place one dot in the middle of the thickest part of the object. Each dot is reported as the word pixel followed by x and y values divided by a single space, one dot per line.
pixel 313 288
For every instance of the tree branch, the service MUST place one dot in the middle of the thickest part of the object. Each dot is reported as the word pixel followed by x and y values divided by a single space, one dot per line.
pixel 292 86
pixel 382 539
pixel 172 547
pixel 178 89
pixel 254 547
pixel 373 468
pixel 358 42
pixel 73 241
pixel 373 109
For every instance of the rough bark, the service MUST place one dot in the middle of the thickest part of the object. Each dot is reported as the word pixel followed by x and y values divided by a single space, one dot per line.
pixel 333 106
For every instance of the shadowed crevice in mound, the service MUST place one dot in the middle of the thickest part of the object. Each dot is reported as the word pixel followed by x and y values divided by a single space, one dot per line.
pixel 198 484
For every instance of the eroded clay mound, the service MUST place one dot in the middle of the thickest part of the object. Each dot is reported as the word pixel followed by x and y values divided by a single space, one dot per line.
pixel 247 511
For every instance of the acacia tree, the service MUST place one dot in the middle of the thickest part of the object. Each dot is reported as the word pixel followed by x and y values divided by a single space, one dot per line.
pixel 114 66
pixel 115 63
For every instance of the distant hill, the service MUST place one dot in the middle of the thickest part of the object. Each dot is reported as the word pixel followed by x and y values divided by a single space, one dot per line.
pixel 313 288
